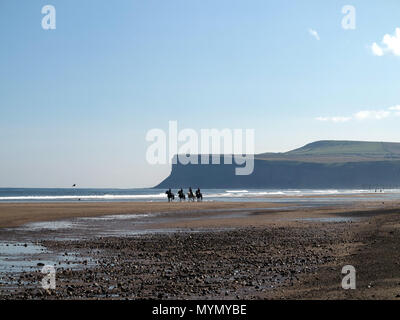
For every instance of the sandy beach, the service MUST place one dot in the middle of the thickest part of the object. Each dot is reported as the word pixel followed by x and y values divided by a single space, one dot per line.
pixel 17 214
pixel 209 250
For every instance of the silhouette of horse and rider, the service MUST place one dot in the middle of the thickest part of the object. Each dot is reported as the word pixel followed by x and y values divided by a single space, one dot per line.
pixel 170 195
pixel 181 195
pixel 191 197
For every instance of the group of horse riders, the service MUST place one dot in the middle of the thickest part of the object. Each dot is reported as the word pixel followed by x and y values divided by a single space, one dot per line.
pixel 181 195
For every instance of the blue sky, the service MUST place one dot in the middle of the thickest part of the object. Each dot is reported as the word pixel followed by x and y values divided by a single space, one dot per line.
pixel 76 102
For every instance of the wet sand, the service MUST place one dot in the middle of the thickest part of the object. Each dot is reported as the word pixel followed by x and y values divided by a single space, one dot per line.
pixel 17 214
pixel 269 253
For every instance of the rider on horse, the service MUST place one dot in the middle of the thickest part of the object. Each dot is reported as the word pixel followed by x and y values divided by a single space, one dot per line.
pixel 190 194
pixel 170 195
pixel 181 195
pixel 199 196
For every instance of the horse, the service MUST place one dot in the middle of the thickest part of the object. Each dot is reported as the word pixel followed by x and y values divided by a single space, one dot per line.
pixel 199 196
pixel 170 195
pixel 181 195
pixel 191 196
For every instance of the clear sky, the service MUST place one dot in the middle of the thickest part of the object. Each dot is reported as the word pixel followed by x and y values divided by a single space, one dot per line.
pixel 76 102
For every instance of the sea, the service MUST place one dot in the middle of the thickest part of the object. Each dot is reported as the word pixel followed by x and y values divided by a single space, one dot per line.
pixel 158 195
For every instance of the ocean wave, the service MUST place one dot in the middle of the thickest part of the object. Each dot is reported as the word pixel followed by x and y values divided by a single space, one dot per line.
pixel 240 194
pixel 156 195
pixel 88 197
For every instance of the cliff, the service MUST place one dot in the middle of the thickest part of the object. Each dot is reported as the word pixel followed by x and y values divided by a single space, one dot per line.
pixel 322 164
